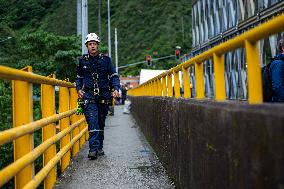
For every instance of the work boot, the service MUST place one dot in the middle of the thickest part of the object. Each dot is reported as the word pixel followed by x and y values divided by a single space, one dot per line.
pixel 101 152
pixel 93 155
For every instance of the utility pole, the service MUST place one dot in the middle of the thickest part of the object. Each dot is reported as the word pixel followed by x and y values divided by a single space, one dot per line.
pixel 99 18
pixel 84 24
pixel 79 17
pixel 116 55
pixel 109 37
pixel 182 27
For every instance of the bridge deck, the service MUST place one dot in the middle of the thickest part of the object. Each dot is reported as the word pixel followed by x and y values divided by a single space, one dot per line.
pixel 129 161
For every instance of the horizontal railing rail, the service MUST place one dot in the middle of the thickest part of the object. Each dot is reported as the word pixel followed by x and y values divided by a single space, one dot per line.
pixel 11 170
pixel 14 74
pixel 161 85
pixel 13 133
pixel 72 132
pixel 44 172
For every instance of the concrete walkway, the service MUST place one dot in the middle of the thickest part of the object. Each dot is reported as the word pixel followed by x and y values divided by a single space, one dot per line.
pixel 129 161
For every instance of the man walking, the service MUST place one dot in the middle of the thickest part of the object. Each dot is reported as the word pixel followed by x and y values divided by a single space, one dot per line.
pixel 96 83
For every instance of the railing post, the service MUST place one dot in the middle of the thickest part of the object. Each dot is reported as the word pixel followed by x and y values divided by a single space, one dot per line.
pixel 199 80
pixel 186 83
pixel 151 88
pixel 164 86
pixel 160 87
pixel 155 87
pixel 146 89
pixel 254 73
pixel 48 109
pixel 177 84
pixel 170 85
pixel 64 123
pixel 22 93
pixel 219 77
pixel 74 118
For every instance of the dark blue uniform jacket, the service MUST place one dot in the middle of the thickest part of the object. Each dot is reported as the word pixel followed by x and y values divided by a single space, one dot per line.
pixel 277 73
pixel 108 79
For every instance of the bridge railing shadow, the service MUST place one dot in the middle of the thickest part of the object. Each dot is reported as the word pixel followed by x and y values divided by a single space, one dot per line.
pixel 72 128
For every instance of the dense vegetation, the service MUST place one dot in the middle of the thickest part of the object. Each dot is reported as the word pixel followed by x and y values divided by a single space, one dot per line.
pixel 143 26
pixel 42 34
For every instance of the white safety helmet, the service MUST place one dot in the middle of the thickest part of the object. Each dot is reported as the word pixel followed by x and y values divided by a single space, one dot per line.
pixel 92 37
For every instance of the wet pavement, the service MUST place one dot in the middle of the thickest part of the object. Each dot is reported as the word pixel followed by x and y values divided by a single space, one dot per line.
pixel 129 161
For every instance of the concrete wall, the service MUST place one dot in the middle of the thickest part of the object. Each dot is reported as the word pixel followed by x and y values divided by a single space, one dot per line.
pixel 205 144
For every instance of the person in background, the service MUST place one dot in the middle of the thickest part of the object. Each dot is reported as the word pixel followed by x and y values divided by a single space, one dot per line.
pixel 277 74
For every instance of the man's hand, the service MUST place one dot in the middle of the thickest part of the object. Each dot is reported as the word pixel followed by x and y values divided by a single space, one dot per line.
pixel 80 93
pixel 115 94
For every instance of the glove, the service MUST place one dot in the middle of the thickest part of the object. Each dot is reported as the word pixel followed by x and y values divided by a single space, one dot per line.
pixel 80 107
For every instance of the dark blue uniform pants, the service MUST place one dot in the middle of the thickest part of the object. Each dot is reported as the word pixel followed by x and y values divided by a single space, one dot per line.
pixel 95 114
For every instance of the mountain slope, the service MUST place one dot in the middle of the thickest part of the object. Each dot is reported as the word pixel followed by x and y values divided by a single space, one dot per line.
pixel 144 26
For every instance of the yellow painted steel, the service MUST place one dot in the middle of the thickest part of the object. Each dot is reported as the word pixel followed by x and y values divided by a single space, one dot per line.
pixel 13 133
pixel 254 73
pixel 43 172
pixel 23 114
pixel 155 87
pixel 151 88
pixel 147 90
pixel 74 118
pixel 23 127
pixel 219 77
pixel 176 84
pixel 186 83
pixel 170 85
pixel 160 87
pixel 64 123
pixel 273 26
pixel 164 86
pixel 14 74
pixel 11 170
pixel 199 80
pixel 48 109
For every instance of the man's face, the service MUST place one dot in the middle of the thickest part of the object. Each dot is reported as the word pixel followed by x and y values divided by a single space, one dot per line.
pixel 92 47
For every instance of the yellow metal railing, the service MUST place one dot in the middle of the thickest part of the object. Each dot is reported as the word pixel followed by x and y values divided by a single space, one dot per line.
pixel 248 40
pixel 72 135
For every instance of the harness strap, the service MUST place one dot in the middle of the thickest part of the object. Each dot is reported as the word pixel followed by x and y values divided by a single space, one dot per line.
pixel 101 101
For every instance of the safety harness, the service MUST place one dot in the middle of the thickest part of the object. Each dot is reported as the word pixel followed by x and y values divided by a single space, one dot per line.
pixel 96 90
pixel 95 76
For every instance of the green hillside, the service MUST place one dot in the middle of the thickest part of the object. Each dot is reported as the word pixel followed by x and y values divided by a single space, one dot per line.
pixel 42 33
pixel 144 26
